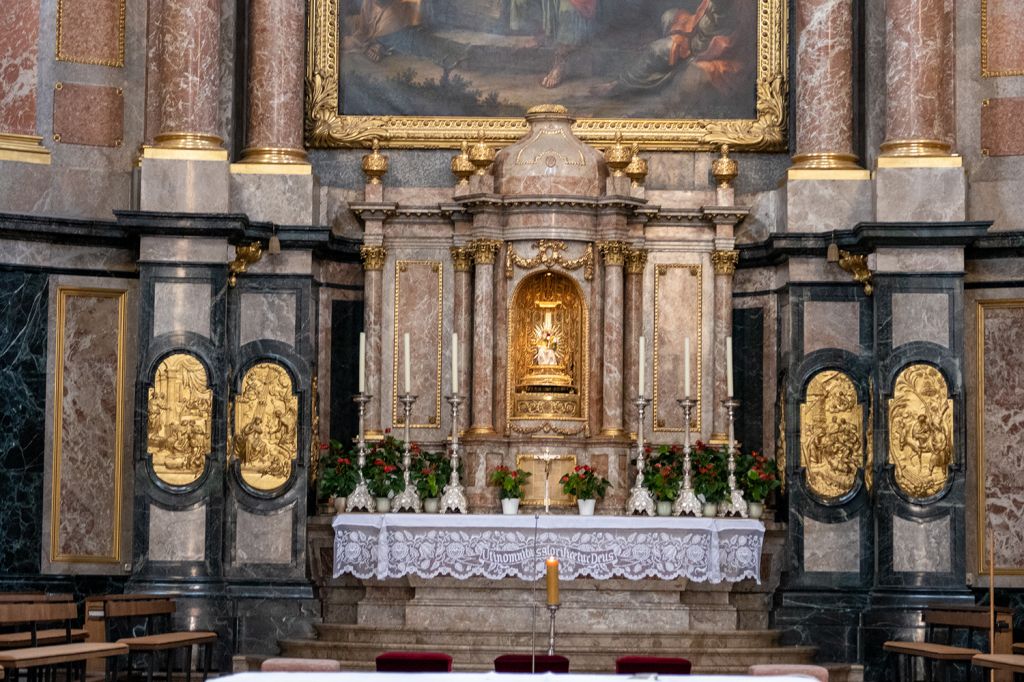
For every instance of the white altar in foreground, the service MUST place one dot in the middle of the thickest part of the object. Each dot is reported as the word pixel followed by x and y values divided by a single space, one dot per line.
pixel 495 546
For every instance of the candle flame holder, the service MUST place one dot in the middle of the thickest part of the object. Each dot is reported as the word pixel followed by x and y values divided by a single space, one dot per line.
pixel 361 497
pixel 737 505
pixel 640 499
pixel 454 496
pixel 552 610
pixel 686 501
pixel 409 498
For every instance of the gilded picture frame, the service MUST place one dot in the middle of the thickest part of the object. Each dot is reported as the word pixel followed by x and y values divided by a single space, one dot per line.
pixel 326 127
pixel 533 495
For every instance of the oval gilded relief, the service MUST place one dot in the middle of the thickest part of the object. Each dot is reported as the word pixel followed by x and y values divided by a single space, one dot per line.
pixel 831 445
pixel 266 416
pixel 179 412
pixel 921 430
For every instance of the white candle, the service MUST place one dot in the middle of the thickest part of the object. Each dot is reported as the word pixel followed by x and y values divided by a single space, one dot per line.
pixel 362 362
pixel 640 379
pixel 405 340
pixel 686 366
pixel 728 364
pixel 455 363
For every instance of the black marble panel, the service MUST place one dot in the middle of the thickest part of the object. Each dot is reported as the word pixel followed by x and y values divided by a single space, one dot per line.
pixel 346 323
pixel 748 366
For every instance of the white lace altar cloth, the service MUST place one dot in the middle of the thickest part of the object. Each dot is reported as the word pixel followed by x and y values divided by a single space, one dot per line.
pixel 496 546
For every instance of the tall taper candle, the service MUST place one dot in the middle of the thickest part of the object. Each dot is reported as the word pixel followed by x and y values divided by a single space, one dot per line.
pixel 405 341
pixel 362 362
pixel 455 363
pixel 686 367
pixel 640 378
pixel 552 564
pixel 728 365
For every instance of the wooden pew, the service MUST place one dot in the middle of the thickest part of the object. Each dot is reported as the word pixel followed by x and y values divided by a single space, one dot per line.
pixel 1009 663
pixel 18 640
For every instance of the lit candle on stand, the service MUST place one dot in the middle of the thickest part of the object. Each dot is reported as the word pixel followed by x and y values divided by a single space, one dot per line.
pixel 640 381
pixel 405 340
pixel 362 362
pixel 552 564
pixel 455 364
pixel 686 367
pixel 728 365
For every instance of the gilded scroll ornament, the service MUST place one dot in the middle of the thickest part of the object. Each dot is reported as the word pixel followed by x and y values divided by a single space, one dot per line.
pixel 314 430
pixel 266 418
pixel 780 433
pixel 857 265
pixel 831 444
pixel 179 413
pixel 725 262
pixel 373 257
pixel 921 430
pixel 549 255
pixel 245 255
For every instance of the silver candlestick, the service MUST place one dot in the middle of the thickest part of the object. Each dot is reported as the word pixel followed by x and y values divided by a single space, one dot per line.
pixel 640 499
pixel 552 609
pixel 736 505
pixel 408 498
pixel 361 497
pixel 454 496
pixel 686 501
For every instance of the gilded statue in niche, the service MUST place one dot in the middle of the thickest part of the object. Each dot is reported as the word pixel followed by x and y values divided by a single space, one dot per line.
pixel 179 408
pixel 831 446
pixel 547 348
pixel 266 417
pixel 921 430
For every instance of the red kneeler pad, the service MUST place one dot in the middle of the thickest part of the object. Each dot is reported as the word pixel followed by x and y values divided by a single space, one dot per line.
pixel 525 663
pixel 638 665
pixel 414 662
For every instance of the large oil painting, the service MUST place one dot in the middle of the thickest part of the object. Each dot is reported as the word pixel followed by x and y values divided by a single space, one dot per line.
pixel 684 73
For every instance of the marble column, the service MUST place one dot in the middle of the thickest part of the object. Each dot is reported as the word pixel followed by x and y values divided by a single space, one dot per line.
pixel 373 310
pixel 277 39
pixel 632 328
pixel 19 75
pixel 614 254
pixel 189 65
pixel 724 263
pixel 484 252
pixel 919 78
pixel 462 263
pixel 824 90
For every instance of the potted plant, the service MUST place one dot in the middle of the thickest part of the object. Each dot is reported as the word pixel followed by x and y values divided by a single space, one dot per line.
pixel 510 484
pixel 339 476
pixel 757 476
pixel 586 485
pixel 710 476
pixel 428 476
pixel 661 476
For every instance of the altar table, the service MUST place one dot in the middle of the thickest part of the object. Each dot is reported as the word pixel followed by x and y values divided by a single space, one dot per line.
pixel 367 676
pixel 497 546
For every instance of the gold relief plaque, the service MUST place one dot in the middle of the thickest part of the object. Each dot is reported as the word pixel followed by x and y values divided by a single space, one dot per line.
pixel 921 430
pixel 180 407
pixel 547 349
pixel 556 466
pixel 831 446
pixel 266 416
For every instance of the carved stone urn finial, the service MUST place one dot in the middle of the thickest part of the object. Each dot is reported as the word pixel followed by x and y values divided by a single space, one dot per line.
pixel 617 156
pixel 462 166
pixel 375 164
pixel 637 168
pixel 725 169
pixel 482 155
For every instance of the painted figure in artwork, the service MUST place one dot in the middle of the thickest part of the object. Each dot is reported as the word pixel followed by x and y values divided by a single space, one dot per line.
pixel 564 25
pixel 378 19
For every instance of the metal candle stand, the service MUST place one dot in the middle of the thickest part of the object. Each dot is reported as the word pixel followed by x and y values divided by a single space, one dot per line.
pixel 552 610
pixel 409 498
pixel 454 496
pixel 736 505
pixel 361 497
pixel 640 499
pixel 686 501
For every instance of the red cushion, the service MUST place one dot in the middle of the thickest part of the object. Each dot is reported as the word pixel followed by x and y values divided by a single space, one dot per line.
pixel 414 662
pixel 525 663
pixel 665 665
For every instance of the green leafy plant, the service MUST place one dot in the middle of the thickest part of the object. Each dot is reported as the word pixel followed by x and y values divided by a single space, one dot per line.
pixel 382 473
pixel 339 474
pixel 510 482
pixel 662 479
pixel 430 472
pixel 710 472
pixel 584 483
pixel 757 475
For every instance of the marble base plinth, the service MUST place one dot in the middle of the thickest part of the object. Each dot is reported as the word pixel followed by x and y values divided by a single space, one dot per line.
pixel 920 194
pixel 823 205
pixel 180 185
pixel 274 198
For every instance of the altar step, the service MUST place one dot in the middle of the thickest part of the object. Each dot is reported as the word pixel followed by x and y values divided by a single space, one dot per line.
pixel 356 646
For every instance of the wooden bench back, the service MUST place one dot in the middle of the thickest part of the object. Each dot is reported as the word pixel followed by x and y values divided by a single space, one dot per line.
pixel 154 606
pixel 37 612
pixel 23 597
pixel 969 617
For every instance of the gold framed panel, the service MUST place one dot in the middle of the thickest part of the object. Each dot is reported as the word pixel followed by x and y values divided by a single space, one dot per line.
pixel 920 430
pixel 434 420
pixel 982 532
pixel 62 54
pixel 63 295
pixel 266 418
pixel 533 493
pixel 662 270
pixel 326 127
pixel 179 414
pixel 986 72
pixel 831 434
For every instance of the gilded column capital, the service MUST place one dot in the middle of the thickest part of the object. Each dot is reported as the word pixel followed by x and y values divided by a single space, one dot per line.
pixel 462 258
pixel 725 262
pixel 373 257
pixel 636 261
pixel 614 252
pixel 484 250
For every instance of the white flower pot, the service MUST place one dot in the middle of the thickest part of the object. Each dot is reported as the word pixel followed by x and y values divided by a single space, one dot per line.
pixel 339 504
pixel 431 505
pixel 755 510
pixel 510 505
pixel 383 505
pixel 710 509
pixel 664 507
pixel 586 507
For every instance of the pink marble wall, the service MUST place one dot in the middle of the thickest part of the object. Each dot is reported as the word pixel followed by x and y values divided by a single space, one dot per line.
pixel 678 294
pixel 91 31
pixel 19 56
pixel 276 74
pixel 417 311
pixel 1002 130
pixel 89 115
pixel 154 37
pixel 1005 23
pixel 824 57
pixel 87 440
pixel 1002 425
